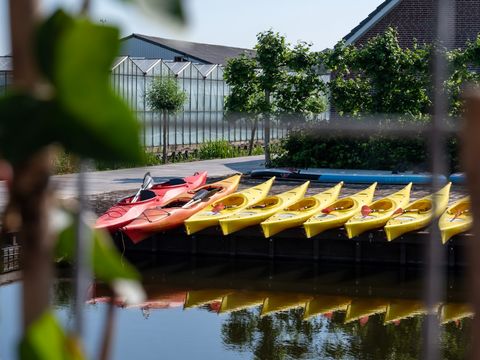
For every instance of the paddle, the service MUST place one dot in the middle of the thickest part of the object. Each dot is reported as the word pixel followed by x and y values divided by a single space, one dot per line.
pixel 366 210
pixel 147 184
pixel 217 208
pixel 328 210
pixel 199 196
pixel 458 213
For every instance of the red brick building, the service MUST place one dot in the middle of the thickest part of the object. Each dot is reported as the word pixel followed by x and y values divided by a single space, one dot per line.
pixel 415 19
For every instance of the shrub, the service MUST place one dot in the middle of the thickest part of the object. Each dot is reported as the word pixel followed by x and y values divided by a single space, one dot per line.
pixel 305 149
pixel 220 149
pixel 63 163
pixel 150 159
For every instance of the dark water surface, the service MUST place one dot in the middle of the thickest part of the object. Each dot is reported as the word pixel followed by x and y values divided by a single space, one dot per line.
pixel 214 309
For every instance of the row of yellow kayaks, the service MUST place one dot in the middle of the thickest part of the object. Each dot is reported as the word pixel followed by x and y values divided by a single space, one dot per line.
pixel 355 308
pixel 356 213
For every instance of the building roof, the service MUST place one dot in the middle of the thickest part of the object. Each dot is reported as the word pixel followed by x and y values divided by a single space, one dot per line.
pixel 213 54
pixel 374 17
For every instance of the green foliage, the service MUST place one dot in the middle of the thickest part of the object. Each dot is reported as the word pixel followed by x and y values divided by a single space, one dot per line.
pixel 149 159
pixel 216 150
pixel 304 91
pixel 279 79
pixel 380 77
pixel 106 262
pixel 165 95
pixel 79 110
pixel 246 94
pixel 222 149
pixel 63 163
pixel 464 67
pixel 46 340
pixel 173 9
pixel 307 148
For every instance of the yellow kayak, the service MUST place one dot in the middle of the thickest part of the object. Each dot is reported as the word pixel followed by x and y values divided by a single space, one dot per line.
pixel 283 302
pixel 197 298
pixel 378 213
pixel 320 305
pixel 403 309
pixel 339 212
pixel 418 214
pixel 455 311
pixel 262 210
pixel 227 206
pixel 241 300
pixel 456 219
pixel 363 308
pixel 300 211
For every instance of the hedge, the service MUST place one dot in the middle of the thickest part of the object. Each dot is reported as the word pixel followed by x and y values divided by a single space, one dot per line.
pixel 306 149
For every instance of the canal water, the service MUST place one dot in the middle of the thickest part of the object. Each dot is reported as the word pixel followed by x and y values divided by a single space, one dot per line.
pixel 222 309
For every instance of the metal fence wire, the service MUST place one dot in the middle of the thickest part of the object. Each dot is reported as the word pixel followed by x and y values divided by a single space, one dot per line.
pixel 197 127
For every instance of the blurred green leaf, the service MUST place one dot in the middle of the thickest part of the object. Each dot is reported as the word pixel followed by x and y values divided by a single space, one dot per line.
pixel 169 8
pixel 83 61
pixel 106 261
pixel 46 340
pixel 22 129
pixel 47 38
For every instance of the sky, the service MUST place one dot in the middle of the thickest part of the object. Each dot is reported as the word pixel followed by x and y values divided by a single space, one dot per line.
pixel 225 22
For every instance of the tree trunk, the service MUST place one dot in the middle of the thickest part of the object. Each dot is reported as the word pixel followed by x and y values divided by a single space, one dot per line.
pixel 29 196
pixel 165 135
pixel 267 130
pixel 252 136
pixel 470 155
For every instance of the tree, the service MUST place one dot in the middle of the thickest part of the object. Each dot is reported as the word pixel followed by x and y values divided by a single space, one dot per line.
pixel 246 100
pixel 165 96
pixel 464 65
pixel 380 77
pixel 277 80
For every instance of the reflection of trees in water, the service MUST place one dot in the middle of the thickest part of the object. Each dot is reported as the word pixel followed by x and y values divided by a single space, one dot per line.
pixel 455 340
pixel 278 336
pixel 62 293
pixel 286 336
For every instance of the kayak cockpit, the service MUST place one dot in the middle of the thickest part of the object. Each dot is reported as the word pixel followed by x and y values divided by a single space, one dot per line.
pixel 232 201
pixel 143 196
pixel 382 205
pixel 203 194
pixel 266 203
pixel 420 206
pixel 303 205
pixel 342 205
pixel 461 208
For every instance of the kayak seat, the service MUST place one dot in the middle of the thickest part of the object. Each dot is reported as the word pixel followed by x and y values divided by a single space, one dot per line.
pixel 382 205
pixel 419 206
pixel 343 204
pixel 233 201
pixel 302 205
pixel 266 203
pixel 146 195
pixel 460 208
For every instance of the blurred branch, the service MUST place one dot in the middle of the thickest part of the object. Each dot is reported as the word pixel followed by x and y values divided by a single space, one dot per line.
pixel 470 156
pixel 28 192
pixel 108 330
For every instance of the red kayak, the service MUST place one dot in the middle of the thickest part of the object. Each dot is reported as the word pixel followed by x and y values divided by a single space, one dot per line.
pixel 174 212
pixel 149 195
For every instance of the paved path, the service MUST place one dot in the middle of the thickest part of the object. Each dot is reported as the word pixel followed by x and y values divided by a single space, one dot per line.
pixel 125 179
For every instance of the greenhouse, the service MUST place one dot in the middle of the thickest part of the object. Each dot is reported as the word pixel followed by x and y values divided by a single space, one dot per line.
pixel 202 118
pixel 5 73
